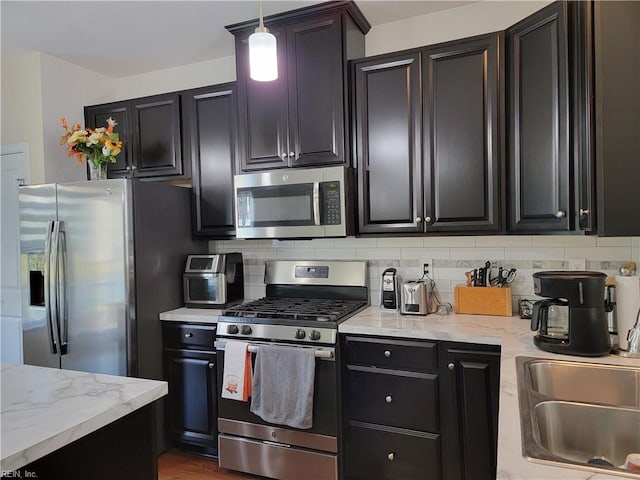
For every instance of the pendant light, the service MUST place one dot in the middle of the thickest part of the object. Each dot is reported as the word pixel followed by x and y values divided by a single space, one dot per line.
pixel 263 54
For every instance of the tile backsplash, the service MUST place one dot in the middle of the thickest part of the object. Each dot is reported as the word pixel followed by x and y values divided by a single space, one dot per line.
pixel 449 257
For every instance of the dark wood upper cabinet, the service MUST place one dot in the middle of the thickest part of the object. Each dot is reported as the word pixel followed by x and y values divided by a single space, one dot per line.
pixel 428 139
pixel 211 144
pixel 151 134
pixel 299 120
pixel 157 136
pixel 616 119
pixel 540 182
pixel 463 150
pixel 387 120
pixel 96 116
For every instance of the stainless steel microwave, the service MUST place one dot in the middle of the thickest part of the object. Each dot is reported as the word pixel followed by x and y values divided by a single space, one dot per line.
pixel 294 203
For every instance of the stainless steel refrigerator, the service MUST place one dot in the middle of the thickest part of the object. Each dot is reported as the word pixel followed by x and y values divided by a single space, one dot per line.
pixel 100 260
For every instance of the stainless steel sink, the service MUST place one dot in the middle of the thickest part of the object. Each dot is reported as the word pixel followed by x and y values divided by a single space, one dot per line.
pixel 617 386
pixel 574 413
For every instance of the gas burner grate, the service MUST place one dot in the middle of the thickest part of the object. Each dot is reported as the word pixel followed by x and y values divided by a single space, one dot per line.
pixel 302 309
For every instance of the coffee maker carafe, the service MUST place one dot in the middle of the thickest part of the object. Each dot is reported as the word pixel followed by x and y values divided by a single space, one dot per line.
pixel 572 320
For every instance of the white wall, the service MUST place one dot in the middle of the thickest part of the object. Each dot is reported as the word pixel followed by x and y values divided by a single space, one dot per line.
pixel 466 21
pixel 195 75
pixel 37 89
pixel 66 88
pixel 21 107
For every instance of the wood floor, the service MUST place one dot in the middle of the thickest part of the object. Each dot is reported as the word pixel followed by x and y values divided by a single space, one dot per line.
pixel 178 465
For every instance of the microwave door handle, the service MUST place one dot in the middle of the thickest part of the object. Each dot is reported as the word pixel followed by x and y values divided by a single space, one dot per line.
pixel 47 287
pixel 316 203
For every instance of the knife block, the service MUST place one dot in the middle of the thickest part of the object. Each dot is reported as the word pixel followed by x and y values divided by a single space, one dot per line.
pixel 483 300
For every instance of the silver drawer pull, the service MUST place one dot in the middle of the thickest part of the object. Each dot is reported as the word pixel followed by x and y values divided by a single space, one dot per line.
pixel 387 353
pixel 451 366
pixel 388 399
pixel 211 365
pixel 188 335
pixel 391 456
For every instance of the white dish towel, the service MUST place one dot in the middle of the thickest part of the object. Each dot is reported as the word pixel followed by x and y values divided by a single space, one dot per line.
pixel 236 377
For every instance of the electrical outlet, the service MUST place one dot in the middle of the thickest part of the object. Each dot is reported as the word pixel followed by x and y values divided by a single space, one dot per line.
pixel 577 264
pixel 427 267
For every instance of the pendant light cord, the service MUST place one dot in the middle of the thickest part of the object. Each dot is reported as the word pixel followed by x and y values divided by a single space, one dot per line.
pixel 260 10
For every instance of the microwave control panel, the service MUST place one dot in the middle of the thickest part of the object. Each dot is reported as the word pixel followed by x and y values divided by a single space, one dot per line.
pixel 331 210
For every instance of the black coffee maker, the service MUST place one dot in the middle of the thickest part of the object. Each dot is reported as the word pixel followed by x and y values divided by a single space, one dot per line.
pixel 572 320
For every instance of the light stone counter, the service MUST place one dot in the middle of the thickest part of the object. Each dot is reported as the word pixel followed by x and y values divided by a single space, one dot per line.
pixel 193 315
pixel 44 409
pixel 515 338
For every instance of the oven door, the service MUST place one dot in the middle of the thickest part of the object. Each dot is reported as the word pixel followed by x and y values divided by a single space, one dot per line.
pixel 202 289
pixel 235 418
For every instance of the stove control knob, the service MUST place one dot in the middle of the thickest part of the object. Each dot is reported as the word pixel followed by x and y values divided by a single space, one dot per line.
pixel 245 329
pixel 232 329
pixel 314 335
pixel 300 334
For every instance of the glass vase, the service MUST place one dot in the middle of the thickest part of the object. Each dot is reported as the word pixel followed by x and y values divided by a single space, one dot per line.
pixel 97 171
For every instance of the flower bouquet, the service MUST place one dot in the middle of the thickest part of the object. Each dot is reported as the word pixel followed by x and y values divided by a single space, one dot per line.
pixel 100 146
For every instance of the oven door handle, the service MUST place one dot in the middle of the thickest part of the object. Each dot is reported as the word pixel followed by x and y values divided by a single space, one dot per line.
pixel 328 354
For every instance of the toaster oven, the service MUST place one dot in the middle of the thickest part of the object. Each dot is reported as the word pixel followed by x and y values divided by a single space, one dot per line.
pixel 213 281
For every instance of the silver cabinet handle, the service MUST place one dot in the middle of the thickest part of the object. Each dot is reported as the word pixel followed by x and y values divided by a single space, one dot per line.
pixel 560 214
pixel 134 167
pixel 427 219
pixel 211 365
pixel 451 366
pixel 584 211
pixel 292 154
pixel 418 219
pixel 283 154
pixel 388 399
pixel 387 353
pixel 391 456
pixel 128 168
pixel 188 335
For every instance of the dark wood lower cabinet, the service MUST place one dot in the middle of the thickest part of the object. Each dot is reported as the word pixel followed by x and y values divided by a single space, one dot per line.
pixel 192 406
pixel 471 385
pixel 387 453
pixel 419 409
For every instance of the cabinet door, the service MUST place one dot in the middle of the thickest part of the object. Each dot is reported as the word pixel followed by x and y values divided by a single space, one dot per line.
pixel 210 125
pixel 157 137
pixel 462 82
pixel 539 178
pixel 617 116
pixel 262 110
pixel 387 128
pixel 97 115
pixel 316 92
pixel 192 403
pixel 473 391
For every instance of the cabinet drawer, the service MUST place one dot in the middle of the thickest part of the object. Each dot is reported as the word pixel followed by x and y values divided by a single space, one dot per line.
pixel 189 336
pixel 398 399
pixel 397 354
pixel 391 454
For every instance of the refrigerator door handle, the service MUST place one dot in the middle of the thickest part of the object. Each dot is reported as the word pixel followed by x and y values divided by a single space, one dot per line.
pixel 47 288
pixel 61 290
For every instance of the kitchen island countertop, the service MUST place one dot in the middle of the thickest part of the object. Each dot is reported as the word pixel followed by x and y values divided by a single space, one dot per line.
pixel 516 339
pixel 44 409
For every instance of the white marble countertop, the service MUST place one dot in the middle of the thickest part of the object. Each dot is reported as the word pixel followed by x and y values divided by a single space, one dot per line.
pixel 515 338
pixel 44 409
pixel 194 315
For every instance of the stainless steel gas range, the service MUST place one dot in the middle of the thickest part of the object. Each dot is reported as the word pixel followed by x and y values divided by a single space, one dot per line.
pixel 305 302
